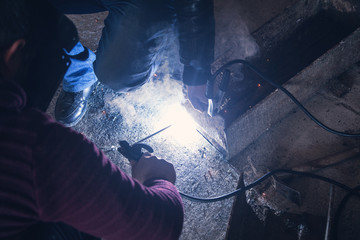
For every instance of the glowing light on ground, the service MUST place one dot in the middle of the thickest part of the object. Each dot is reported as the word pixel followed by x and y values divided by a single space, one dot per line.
pixel 183 129
pixel 156 105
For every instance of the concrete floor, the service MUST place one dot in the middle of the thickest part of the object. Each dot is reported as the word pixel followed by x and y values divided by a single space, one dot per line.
pixel 292 142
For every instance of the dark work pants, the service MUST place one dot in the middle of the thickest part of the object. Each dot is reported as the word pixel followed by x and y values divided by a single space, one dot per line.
pixel 133 39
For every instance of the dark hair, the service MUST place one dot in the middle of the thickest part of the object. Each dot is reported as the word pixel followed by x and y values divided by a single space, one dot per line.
pixel 13 21
pixel 28 19
pixel 46 32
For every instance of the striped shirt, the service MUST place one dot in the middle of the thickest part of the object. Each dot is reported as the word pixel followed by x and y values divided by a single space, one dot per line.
pixel 50 173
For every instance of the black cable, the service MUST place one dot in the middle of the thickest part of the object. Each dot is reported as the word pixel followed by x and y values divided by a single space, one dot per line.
pixel 222 68
pixel 238 191
pixel 266 176
pixel 341 208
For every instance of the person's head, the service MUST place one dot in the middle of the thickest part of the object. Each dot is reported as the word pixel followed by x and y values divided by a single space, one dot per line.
pixel 33 36
pixel 24 27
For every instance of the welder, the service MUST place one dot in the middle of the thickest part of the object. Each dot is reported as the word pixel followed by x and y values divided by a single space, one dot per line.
pixel 54 183
pixel 131 46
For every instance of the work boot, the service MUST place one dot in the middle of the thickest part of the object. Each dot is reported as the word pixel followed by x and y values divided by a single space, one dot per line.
pixel 71 106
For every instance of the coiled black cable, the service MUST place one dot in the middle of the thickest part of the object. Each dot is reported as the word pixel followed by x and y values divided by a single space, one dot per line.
pixel 266 176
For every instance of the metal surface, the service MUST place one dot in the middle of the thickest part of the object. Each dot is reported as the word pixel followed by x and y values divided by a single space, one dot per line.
pixel 288 192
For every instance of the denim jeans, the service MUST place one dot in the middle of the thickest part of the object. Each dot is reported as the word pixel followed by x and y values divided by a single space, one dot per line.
pixel 131 45
pixel 80 74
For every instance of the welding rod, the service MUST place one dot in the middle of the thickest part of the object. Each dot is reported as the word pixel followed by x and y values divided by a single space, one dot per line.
pixel 328 221
pixel 153 134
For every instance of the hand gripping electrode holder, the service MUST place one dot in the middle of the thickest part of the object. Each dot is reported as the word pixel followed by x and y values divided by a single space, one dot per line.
pixel 214 102
pixel 133 152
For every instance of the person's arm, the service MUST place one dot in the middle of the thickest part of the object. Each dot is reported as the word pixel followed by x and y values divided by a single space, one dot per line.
pixel 77 184
pixel 196 27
